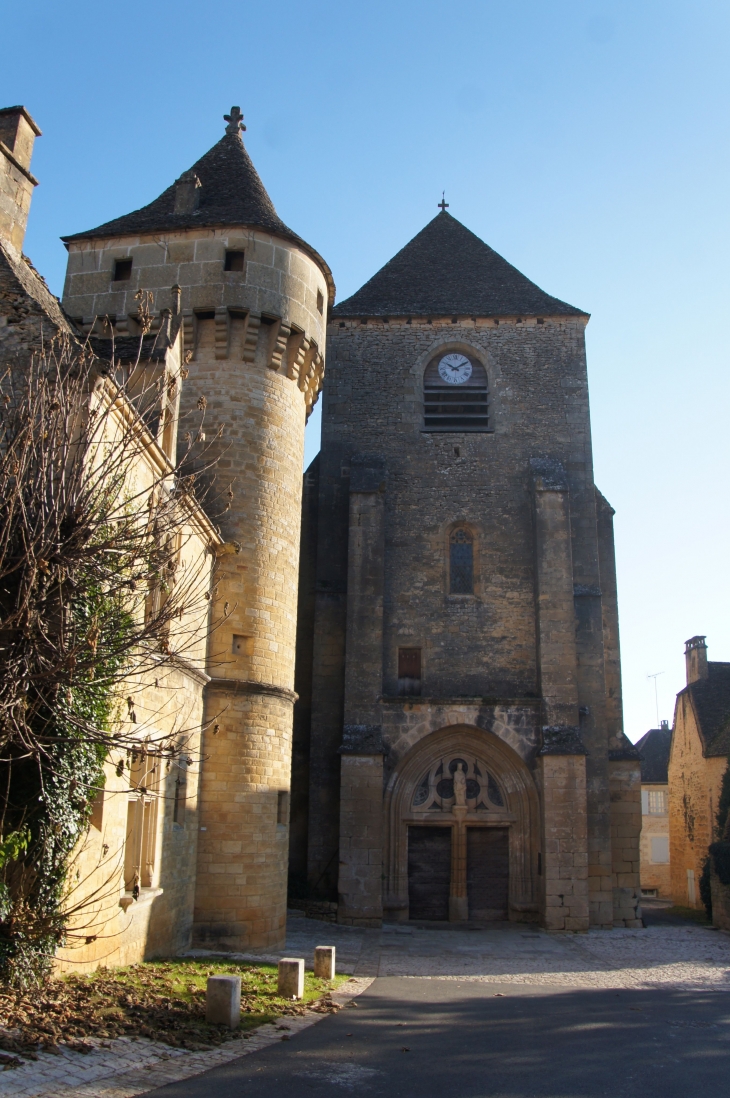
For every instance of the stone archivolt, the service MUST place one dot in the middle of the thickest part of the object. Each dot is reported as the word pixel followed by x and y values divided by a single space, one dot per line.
pixel 486 756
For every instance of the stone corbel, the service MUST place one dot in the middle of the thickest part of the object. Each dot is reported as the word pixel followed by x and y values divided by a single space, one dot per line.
pixel 315 381
pixel 188 330
pixel 251 338
pixel 306 365
pixel 222 333
pixel 295 351
pixel 278 345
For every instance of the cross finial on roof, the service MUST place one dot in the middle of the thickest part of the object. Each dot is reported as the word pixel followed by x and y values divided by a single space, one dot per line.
pixel 443 204
pixel 234 120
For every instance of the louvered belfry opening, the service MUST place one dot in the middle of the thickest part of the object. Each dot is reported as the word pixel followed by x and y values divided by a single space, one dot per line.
pixel 452 407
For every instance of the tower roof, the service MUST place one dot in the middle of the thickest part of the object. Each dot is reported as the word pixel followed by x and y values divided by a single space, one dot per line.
pixel 447 270
pixel 230 192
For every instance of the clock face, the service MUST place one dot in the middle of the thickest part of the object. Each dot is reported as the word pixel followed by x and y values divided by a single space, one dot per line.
pixel 455 369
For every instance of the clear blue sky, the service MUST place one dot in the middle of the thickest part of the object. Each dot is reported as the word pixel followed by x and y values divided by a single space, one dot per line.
pixel 586 141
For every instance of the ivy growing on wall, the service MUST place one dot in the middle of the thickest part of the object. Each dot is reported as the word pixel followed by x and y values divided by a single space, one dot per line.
pixel 90 597
pixel 720 850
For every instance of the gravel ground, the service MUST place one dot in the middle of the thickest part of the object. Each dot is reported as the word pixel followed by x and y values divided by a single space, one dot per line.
pixel 676 955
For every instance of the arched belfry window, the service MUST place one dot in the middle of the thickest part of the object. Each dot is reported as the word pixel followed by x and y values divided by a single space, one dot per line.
pixel 461 562
pixel 455 394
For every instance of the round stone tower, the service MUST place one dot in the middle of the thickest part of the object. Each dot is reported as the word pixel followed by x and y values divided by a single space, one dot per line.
pixel 250 299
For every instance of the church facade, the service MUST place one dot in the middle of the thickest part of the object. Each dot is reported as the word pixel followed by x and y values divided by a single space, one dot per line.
pixel 458 743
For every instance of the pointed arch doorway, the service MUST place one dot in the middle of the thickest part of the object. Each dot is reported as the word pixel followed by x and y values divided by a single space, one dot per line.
pixel 462 831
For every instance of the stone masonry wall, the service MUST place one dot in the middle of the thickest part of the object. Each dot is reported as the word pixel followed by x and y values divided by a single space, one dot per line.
pixel 480 646
pixel 625 837
pixel 694 790
pixel 565 842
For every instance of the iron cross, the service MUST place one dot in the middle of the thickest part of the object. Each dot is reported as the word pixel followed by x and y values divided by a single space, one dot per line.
pixel 443 204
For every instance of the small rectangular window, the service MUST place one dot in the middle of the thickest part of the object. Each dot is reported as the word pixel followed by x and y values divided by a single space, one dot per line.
pixel 660 849
pixel 461 563
pixel 122 270
pixel 409 671
pixel 234 261
pixel 282 808
pixel 242 646
pixel 657 803
pixel 180 802
pixel 320 301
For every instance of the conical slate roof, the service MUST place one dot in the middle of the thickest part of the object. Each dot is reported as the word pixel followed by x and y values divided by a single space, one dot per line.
pixel 447 271
pixel 231 193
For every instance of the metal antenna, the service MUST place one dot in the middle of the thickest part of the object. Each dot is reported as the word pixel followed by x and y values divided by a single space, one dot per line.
pixel 655 676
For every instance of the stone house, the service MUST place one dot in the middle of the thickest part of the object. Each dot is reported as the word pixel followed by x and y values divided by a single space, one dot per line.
pixel 655 746
pixel 699 756
pixel 144 826
pixel 458 751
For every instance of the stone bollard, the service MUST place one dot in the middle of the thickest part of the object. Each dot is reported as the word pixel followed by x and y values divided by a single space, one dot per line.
pixel 291 977
pixel 324 962
pixel 223 1001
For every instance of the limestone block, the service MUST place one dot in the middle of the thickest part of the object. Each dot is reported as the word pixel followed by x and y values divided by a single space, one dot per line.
pixel 324 962
pixel 209 250
pixel 223 1001
pixel 291 977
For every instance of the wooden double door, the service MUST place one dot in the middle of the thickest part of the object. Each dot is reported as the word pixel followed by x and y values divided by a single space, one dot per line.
pixel 432 880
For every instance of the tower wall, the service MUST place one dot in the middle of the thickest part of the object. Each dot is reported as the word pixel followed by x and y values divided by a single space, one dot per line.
pixel 254 342
pixel 522 658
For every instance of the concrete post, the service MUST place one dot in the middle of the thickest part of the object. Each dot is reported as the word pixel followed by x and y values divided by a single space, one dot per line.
pixel 324 962
pixel 223 1001
pixel 291 977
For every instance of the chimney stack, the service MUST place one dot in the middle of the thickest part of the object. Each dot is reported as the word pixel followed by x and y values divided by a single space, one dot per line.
pixel 18 132
pixel 695 656
pixel 187 193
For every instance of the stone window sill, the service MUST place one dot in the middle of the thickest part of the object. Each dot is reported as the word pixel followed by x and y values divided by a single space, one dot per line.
pixel 146 896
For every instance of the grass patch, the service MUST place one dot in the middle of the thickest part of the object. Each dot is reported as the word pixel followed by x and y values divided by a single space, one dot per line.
pixel 160 1000
pixel 693 914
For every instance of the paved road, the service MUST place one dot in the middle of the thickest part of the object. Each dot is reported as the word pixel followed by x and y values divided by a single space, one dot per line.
pixel 476 1040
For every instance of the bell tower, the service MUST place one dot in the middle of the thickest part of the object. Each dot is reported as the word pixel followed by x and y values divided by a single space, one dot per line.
pixel 253 297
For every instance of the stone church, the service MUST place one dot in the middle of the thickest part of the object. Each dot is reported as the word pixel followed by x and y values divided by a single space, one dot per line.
pixel 458 743
pixel 415 712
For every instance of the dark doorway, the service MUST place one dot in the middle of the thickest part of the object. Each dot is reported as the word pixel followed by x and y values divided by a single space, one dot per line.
pixel 487 872
pixel 429 873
